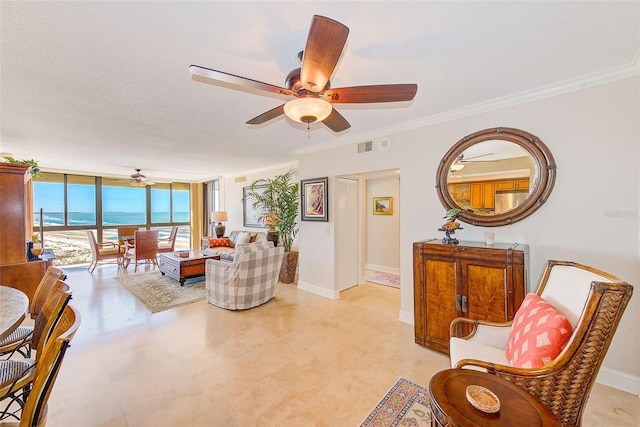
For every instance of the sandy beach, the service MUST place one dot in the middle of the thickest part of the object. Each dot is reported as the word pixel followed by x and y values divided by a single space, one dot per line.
pixel 72 247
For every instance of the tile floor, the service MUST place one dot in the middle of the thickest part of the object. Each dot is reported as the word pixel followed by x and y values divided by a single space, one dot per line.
pixel 299 360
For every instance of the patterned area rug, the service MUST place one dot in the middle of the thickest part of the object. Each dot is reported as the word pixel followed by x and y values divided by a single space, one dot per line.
pixel 159 293
pixel 384 279
pixel 405 404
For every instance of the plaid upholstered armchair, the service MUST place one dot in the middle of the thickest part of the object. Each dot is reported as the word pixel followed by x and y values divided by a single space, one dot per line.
pixel 248 281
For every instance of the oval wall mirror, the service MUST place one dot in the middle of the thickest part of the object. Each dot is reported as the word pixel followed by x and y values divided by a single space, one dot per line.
pixel 496 176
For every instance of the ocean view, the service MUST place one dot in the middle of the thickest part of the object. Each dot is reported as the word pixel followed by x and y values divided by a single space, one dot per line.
pixel 110 218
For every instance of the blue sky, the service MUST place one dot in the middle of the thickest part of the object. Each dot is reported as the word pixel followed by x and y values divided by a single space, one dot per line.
pixel 50 197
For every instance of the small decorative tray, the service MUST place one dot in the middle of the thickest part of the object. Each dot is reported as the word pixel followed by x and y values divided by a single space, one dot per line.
pixel 182 254
pixel 483 399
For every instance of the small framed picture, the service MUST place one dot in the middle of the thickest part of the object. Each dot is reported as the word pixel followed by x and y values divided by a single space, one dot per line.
pixel 315 199
pixel 383 205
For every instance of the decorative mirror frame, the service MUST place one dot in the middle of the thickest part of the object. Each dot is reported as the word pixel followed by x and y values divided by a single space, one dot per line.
pixel 540 187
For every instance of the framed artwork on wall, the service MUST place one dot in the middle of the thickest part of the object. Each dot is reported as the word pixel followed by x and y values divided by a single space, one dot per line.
pixel 383 205
pixel 252 217
pixel 315 199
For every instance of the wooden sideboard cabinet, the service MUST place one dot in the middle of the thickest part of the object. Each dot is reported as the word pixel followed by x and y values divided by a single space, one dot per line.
pixel 470 279
pixel 15 230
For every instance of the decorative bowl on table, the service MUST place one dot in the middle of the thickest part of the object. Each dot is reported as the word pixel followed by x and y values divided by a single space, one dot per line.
pixel 483 399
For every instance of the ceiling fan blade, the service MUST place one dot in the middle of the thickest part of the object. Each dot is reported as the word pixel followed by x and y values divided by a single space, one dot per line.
pixel 374 93
pixel 265 117
pixel 207 75
pixel 336 122
pixel 324 45
pixel 462 159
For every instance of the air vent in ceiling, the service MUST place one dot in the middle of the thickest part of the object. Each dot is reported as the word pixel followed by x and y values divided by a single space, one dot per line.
pixel 365 147
pixel 241 179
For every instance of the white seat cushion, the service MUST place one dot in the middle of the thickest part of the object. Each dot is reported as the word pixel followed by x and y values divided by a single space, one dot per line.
pixel 469 349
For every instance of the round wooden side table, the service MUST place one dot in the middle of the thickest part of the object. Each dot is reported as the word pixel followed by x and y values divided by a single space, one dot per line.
pixel 450 407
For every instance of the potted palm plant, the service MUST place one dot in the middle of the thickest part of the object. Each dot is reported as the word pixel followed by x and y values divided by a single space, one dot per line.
pixel 280 203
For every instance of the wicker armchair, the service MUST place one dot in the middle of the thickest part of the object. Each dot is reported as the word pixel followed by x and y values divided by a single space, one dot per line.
pixel 125 237
pixel 145 247
pixel 102 253
pixel 593 301
pixel 169 243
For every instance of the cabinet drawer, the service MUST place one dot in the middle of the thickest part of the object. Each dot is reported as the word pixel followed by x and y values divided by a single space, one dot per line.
pixel 522 184
pixel 505 185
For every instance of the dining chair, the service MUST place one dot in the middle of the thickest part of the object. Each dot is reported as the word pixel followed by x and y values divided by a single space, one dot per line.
pixel 125 237
pixel 145 248
pixel 29 403
pixel 572 299
pixel 168 244
pixel 103 253
pixel 26 338
pixel 48 281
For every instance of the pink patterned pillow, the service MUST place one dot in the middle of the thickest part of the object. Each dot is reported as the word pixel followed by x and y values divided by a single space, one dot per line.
pixel 538 334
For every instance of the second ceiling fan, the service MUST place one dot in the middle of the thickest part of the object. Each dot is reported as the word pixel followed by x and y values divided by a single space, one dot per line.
pixel 309 85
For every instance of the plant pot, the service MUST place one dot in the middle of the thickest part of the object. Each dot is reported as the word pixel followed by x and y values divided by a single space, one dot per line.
pixel 289 266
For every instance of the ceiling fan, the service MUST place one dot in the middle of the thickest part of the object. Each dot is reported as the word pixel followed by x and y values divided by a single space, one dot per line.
pixel 309 85
pixel 139 180
pixel 459 163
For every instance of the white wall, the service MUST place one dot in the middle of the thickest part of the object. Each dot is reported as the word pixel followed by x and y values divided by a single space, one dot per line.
pixel 591 216
pixel 232 193
pixel 383 231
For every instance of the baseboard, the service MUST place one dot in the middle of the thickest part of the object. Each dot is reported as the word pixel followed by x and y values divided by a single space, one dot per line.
pixel 323 292
pixel 406 317
pixel 382 269
pixel 620 380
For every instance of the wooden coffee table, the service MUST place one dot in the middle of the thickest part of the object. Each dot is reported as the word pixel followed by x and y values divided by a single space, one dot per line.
pixel 449 405
pixel 183 268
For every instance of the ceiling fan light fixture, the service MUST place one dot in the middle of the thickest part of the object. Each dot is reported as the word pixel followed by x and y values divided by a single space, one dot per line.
pixel 307 110
pixel 138 184
pixel 456 167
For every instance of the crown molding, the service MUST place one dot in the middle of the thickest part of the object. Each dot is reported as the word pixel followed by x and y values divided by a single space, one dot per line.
pixel 583 82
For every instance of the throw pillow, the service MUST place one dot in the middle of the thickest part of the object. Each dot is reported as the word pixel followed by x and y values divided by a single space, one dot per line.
pixel 538 334
pixel 243 237
pixel 216 243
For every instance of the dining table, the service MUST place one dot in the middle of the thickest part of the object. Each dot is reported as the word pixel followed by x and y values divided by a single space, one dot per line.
pixel 13 309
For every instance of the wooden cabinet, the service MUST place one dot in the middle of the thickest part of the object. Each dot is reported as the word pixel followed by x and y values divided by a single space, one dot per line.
pixel 470 280
pixel 522 184
pixel 483 195
pixel 14 230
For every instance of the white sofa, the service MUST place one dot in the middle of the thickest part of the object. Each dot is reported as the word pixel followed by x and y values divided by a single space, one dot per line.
pixel 247 281
pixel 228 252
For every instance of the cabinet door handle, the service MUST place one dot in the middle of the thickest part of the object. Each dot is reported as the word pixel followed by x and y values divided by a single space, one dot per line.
pixel 465 306
pixel 458 299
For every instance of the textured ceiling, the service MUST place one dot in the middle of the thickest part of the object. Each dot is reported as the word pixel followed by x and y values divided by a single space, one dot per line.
pixel 104 87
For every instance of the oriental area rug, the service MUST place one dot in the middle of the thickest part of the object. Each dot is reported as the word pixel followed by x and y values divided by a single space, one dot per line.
pixel 405 404
pixel 384 279
pixel 159 293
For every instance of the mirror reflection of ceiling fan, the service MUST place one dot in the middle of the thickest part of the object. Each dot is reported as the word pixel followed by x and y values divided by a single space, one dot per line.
pixel 139 180
pixel 460 161
pixel 309 85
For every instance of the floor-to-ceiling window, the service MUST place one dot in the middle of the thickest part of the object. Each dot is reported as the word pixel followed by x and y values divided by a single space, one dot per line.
pixel 74 204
